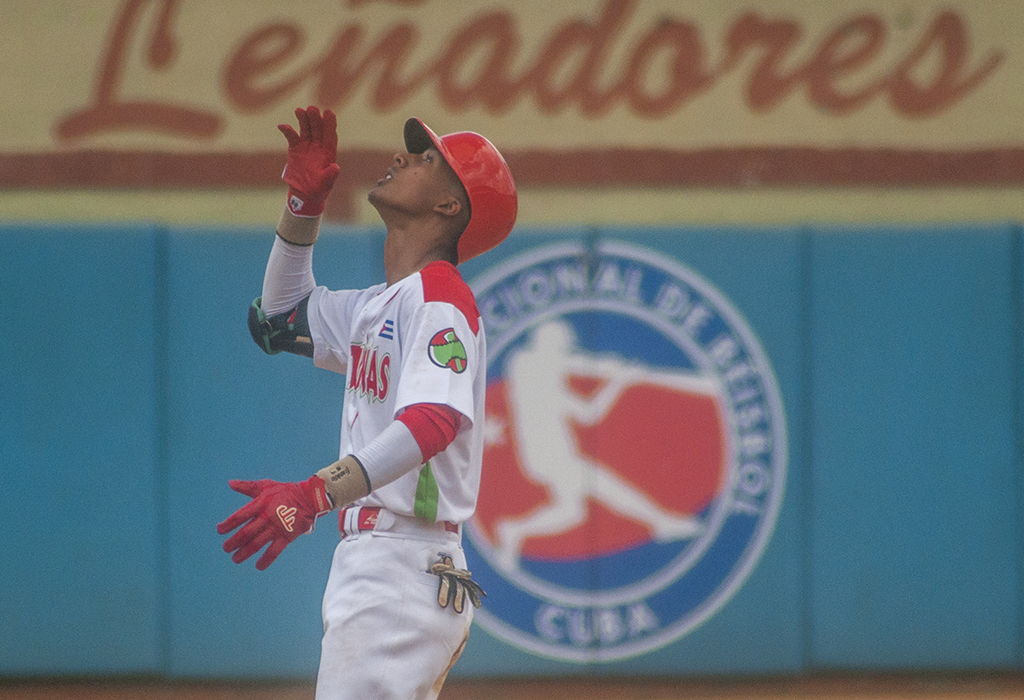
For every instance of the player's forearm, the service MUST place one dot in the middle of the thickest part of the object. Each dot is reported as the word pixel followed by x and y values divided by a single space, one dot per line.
pixel 596 367
pixel 593 410
pixel 389 456
pixel 288 278
pixel 603 401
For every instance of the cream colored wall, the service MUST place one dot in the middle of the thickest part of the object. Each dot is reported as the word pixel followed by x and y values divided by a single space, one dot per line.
pixel 54 50
pixel 60 45
pixel 557 206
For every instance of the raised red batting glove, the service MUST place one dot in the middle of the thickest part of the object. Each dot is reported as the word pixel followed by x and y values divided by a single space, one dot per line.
pixel 311 168
pixel 278 513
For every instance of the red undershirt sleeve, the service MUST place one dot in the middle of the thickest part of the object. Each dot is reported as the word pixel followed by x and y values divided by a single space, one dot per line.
pixel 432 425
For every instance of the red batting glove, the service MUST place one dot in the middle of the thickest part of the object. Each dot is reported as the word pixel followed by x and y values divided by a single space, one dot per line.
pixel 311 168
pixel 278 513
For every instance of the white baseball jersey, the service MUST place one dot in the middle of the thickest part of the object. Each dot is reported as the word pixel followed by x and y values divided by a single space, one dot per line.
pixel 418 341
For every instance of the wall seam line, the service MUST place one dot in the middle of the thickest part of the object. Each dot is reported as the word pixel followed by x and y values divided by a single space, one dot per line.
pixel 160 343
pixel 1017 305
pixel 807 447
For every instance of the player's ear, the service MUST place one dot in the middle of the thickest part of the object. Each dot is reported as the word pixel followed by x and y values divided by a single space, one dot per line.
pixel 449 206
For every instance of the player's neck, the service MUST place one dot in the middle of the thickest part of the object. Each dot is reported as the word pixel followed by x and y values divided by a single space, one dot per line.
pixel 408 249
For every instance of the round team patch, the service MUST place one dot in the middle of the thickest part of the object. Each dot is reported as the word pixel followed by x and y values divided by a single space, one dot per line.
pixel 634 457
pixel 446 350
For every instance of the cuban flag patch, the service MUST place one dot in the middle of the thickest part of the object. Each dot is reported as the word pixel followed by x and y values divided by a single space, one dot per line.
pixel 387 331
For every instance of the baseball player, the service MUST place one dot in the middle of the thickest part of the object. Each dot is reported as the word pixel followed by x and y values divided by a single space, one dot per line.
pixel 399 599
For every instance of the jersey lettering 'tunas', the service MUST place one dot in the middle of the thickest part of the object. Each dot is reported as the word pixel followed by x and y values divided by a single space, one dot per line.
pixel 372 374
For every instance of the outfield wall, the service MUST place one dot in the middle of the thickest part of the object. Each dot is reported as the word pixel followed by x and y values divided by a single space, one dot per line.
pixel 130 392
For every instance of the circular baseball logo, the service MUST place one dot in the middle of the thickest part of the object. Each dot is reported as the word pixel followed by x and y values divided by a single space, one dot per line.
pixel 446 350
pixel 635 452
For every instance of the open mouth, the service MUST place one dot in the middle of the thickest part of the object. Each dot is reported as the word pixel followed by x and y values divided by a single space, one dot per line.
pixel 387 178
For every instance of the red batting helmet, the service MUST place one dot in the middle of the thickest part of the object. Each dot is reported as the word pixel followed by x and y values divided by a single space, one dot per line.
pixel 485 176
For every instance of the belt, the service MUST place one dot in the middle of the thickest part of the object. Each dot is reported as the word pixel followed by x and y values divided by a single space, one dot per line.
pixel 363 518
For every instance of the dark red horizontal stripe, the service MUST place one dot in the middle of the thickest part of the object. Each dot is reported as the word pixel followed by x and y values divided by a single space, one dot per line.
pixel 618 167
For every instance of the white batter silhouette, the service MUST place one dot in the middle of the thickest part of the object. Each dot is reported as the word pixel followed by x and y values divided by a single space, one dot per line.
pixel 543 408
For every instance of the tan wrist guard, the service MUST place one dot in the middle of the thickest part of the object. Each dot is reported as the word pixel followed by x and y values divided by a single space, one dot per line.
pixel 300 230
pixel 346 481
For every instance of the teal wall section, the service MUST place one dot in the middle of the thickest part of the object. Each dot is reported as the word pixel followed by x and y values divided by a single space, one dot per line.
pixel 80 554
pixel 234 412
pixel 913 426
pixel 130 392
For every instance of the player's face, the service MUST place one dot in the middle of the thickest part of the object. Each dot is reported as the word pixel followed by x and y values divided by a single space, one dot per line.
pixel 414 184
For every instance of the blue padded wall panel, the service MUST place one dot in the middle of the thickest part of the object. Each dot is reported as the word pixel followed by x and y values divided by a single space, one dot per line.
pixel 79 556
pixel 135 393
pixel 913 512
pixel 235 412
